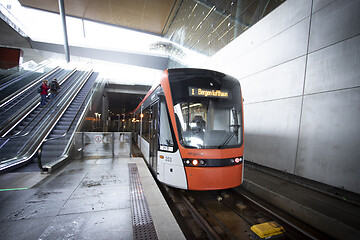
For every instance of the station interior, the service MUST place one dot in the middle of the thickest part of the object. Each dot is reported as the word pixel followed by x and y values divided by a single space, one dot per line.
pixel 298 65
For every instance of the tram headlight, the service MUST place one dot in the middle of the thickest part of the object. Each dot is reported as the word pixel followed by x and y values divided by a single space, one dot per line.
pixel 195 162
pixel 236 160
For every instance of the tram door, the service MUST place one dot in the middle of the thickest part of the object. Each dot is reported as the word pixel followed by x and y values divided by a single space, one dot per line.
pixel 154 127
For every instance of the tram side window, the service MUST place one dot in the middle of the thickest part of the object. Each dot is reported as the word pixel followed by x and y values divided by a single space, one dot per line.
pixel 137 124
pixel 146 124
pixel 165 139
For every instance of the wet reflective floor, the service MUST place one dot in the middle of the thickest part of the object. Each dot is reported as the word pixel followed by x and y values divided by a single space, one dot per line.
pixel 82 201
pixel 88 199
pixel 25 177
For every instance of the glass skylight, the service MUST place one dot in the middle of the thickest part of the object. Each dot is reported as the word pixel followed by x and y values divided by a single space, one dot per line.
pixel 46 26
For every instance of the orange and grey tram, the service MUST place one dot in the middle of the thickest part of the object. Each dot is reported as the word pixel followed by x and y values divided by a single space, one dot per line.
pixel 189 128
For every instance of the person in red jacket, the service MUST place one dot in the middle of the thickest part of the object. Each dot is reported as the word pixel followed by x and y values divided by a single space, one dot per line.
pixel 44 92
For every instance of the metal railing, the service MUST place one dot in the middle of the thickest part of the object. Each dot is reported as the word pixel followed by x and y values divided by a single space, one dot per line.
pixel 10 19
pixel 103 144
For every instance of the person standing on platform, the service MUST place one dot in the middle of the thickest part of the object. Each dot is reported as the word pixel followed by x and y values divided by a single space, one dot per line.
pixel 44 92
pixel 54 87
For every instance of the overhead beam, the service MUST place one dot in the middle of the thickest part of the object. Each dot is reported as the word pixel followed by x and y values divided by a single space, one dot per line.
pixel 127 91
pixel 136 59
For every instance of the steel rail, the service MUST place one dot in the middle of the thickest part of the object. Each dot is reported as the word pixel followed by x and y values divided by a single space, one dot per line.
pixel 200 220
pixel 223 225
pixel 295 224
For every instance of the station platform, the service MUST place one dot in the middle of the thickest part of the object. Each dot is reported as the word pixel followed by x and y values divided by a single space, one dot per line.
pixel 106 198
pixel 90 198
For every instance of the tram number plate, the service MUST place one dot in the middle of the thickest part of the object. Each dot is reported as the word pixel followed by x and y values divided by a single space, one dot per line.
pixel 166 148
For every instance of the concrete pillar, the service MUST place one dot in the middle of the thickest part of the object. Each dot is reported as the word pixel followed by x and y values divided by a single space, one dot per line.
pixel 66 44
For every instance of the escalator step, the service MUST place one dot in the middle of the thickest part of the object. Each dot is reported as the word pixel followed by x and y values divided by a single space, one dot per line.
pixel 61 127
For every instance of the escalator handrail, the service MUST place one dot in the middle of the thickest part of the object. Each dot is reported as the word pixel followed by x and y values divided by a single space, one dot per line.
pixel 81 110
pixel 14 95
pixel 87 98
pixel 11 78
pixel 48 110
pixel 64 106
pixel 29 150
pixel 24 94
pixel 25 110
pixel 67 148
pixel 6 83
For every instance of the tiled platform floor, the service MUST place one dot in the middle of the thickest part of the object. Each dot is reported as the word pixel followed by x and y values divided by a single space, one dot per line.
pixel 88 199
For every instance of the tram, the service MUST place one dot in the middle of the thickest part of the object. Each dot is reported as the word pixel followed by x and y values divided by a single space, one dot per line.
pixel 189 128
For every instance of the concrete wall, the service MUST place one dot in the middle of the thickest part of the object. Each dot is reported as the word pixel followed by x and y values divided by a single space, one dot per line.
pixel 299 68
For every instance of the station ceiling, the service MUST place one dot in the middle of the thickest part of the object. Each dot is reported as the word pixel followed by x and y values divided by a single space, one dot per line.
pixel 148 16
pixel 124 98
pixel 204 26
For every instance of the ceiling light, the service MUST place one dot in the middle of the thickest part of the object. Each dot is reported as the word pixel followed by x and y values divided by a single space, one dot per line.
pixel 221 22
pixel 205 17
pixel 225 33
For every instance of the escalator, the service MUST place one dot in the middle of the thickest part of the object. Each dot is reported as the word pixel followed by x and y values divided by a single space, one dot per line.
pixel 13 109
pixel 30 119
pixel 19 81
pixel 21 143
pixel 56 147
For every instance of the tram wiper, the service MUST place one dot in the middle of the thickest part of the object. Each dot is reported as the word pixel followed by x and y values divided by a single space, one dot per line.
pixel 229 137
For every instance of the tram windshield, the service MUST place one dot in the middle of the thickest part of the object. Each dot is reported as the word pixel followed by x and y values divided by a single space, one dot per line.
pixel 208 112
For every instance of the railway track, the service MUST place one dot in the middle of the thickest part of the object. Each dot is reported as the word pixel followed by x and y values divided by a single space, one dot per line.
pixel 230 214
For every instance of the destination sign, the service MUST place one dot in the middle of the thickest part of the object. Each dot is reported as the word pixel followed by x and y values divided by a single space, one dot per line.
pixel 200 92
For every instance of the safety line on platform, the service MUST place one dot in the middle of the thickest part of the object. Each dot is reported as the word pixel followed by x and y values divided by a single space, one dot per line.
pixel 143 226
pixel 12 189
